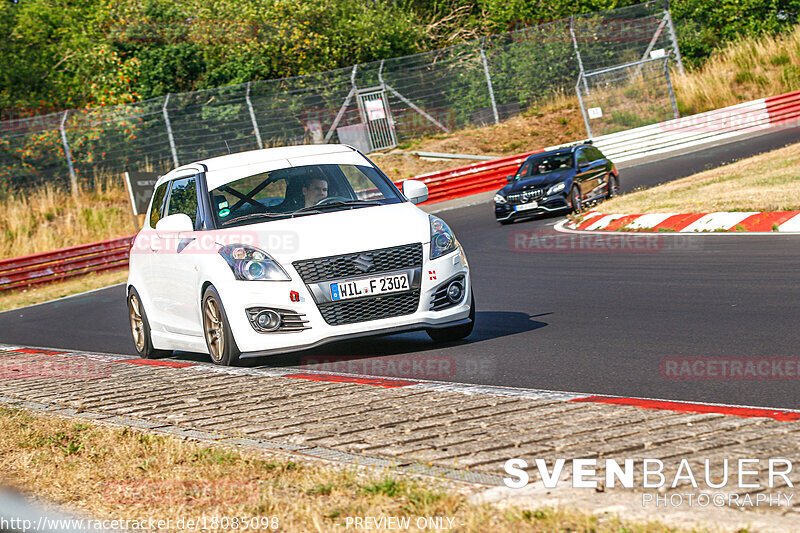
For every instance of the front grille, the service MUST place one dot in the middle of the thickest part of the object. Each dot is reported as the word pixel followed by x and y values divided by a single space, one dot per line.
pixel 349 312
pixel 370 262
pixel 524 197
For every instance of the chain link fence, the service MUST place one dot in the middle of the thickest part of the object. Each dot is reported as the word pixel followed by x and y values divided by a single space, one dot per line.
pixel 372 106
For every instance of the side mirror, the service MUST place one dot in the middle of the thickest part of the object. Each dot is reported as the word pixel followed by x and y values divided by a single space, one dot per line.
pixel 177 223
pixel 415 191
pixel 510 178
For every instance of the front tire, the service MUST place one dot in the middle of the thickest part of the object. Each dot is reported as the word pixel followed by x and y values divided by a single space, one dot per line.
pixel 575 199
pixel 217 331
pixel 455 333
pixel 140 328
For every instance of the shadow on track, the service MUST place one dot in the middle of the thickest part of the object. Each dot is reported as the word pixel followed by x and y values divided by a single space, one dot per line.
pixel 489 325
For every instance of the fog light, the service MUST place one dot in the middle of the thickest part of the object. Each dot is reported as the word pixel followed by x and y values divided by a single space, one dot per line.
pixel 268 320
pixel 455 291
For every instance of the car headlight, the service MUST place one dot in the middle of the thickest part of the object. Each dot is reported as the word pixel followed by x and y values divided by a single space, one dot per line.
pixel 558 187
pixel 251 264
pixel 442 239
pixel 499 199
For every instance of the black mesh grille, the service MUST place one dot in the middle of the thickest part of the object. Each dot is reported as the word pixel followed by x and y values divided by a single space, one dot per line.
pixel 343 266
pixel 348 312
pixel 524 197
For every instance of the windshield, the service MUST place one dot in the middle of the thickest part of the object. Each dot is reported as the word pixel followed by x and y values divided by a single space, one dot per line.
pixel 545 165
pixel 297 191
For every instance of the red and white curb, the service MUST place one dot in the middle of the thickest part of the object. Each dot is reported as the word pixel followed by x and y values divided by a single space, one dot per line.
pixel 784 415
pixel 721 221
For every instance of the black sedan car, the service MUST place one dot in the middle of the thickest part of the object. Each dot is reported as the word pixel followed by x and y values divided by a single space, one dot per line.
pixel 559 180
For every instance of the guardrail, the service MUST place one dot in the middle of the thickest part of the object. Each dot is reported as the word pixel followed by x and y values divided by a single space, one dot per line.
pixel 61 264
pixel 471 179
pixel 673 135
pixel 704 128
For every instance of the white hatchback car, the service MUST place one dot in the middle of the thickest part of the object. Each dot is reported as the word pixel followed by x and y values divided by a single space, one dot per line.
pixel 277 250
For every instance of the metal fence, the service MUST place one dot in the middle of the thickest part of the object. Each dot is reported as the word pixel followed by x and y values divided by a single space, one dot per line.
pixel 373 106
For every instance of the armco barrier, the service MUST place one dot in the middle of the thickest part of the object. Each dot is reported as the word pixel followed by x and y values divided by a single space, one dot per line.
pixel 670 136
pixel 62 264
pixel 471 179
pixel 703 128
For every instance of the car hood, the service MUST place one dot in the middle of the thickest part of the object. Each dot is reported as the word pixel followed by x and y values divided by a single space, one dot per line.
pixel 535 182
pixel 333 233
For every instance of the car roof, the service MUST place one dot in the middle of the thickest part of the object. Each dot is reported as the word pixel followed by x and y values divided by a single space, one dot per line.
pixel 559 151
pixel 254 157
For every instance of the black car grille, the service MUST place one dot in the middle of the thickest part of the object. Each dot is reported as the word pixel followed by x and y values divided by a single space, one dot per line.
pixel 371 261
pixel 349 312
pixel 524 197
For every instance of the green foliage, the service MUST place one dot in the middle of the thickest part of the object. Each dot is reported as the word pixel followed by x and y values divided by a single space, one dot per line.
pixel 703 25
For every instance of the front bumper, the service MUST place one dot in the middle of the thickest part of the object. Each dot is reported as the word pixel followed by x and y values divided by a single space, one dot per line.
pixel 238 296
pixel 548 204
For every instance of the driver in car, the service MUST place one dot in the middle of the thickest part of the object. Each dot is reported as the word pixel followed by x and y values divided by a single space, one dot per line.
pixel 315 191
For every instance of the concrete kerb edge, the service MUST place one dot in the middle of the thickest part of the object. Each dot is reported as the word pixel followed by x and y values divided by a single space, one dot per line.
pixel 562 227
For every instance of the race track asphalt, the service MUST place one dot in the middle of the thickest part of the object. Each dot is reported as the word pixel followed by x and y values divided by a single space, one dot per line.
pixel 603 316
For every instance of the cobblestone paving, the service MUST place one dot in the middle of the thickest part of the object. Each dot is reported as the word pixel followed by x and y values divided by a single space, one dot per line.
pixel 436 430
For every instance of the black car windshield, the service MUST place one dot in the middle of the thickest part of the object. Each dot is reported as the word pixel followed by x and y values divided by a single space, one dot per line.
pixel 545 164
pixel 299 191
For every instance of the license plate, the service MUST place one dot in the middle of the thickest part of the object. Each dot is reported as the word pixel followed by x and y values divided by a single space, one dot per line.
pixel 525 207
pixel 369 286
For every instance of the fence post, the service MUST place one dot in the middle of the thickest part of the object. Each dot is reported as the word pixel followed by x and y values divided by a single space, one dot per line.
pixel 169 131
pixel 489 81
pixel 674 37
pixel 583 106
pixel 578 55
pixel 73 179
pixel 253 117
pixel 675 111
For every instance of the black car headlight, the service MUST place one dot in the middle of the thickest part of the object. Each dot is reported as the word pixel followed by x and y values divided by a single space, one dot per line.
pixel 442 239
pixel 557 188
pixel 251 264
pixel 499 199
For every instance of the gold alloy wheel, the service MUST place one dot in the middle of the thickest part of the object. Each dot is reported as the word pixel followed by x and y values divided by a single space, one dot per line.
pixel 137 323
pixel 215 334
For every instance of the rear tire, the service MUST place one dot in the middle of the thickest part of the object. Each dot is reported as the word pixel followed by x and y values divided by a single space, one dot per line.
pixel 217 331
pixel 140 328
pixel 455 333
pixel 613 186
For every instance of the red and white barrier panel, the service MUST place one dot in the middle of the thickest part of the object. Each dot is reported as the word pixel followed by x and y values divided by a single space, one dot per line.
pixel 770 221
pixel 470 179
pixel 700 129
pixel 61 264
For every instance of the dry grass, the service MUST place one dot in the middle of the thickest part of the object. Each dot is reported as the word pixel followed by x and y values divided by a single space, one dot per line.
pixel 766 182
pixel 743 70
pixel 46 219
pixel 110 473
pixel 44 293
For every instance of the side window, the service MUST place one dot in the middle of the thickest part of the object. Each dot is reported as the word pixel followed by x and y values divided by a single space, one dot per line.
pixel 158 204
pixel 183 198
pixel 524 170
pixel 582 157
pixel 595 154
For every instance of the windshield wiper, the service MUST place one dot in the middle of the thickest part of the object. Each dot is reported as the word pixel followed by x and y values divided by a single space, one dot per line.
pixel 339 203
pixel 256 215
